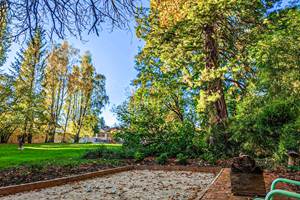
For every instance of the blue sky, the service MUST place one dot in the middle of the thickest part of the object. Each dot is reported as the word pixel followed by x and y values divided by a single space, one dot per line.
pixel 113 55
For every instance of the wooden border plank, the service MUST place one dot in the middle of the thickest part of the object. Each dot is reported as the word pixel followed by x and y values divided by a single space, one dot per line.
pixel 13 189
pixel 214 170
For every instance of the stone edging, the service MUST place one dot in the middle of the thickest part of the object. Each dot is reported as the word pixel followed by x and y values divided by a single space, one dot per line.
pixel 13 189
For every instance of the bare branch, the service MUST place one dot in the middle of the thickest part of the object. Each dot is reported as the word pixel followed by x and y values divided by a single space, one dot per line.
pixel 67 17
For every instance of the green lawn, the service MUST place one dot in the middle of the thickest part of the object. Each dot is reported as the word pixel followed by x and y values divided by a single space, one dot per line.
pixel 53 154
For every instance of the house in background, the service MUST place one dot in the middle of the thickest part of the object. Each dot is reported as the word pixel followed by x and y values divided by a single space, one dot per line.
pixel 105 135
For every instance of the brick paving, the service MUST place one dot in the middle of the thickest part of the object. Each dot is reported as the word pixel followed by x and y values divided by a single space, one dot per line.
pixel 221 188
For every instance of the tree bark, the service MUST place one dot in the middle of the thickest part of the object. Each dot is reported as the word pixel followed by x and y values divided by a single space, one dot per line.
pixel 52 125
pixel 51 129
pixel 51 134
pixel 82 113
pixel 63 140
pixel 77 136
pixel 46 137
pixel 216 85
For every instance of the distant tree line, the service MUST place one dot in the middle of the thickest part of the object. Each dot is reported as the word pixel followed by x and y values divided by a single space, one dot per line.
pixel 49 90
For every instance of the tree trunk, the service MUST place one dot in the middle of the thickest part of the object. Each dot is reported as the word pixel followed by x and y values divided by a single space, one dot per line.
pixel 77 136
pixel 220 104
pixel 82 112
pixel 29 135
pixel 51 135
pixel 51 130
pixel 6 133
pixel 63 140
pixel 3 138
pixel 46 137
pixel 24 134
pixel 216 85
pixel 29 138
pixel 66 124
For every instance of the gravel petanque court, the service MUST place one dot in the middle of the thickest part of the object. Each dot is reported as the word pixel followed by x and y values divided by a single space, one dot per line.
pixel 130 185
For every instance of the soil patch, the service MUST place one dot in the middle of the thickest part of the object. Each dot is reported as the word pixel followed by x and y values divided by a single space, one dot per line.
pixel 27 174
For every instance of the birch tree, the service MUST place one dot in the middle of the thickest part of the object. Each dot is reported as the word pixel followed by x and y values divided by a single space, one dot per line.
pixel 55 85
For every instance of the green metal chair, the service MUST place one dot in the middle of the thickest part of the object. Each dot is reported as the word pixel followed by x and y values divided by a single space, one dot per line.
pixel 276 192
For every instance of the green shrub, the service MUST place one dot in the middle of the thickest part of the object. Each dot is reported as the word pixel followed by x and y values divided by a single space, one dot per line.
pixel 103 152
pixel 172 138
pixel 145 128
pixel 181 159
pixel 162 159
pixel 35 166
pixel 209 157
pixel 128 153
pixel 289 140
pixel 139 156
pixel 267 128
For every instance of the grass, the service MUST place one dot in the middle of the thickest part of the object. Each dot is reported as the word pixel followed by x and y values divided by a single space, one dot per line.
pixel 46 154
